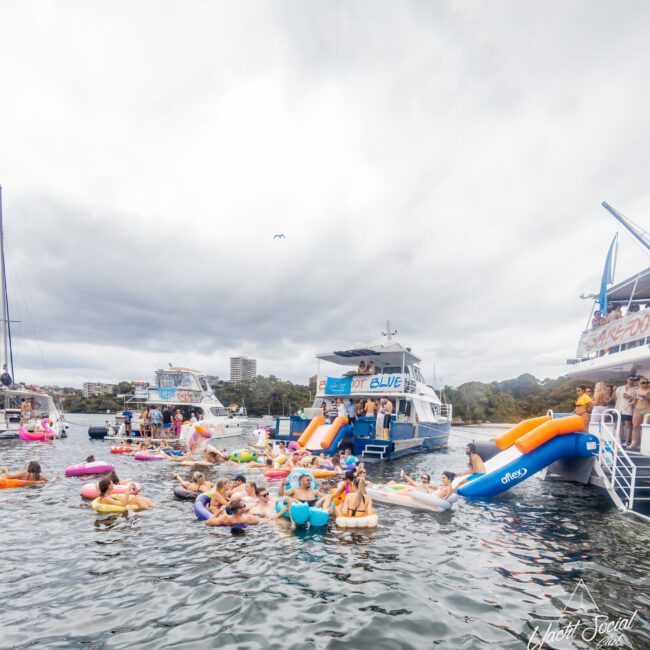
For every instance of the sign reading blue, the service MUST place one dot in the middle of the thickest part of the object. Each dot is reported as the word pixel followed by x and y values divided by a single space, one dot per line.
pixel 166 393
pixel 386 381
pixel 338 386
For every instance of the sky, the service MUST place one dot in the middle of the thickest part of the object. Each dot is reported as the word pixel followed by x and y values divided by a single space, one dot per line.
pixel 438 164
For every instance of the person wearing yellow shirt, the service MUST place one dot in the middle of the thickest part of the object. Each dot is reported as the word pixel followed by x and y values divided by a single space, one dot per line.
pixel 583 404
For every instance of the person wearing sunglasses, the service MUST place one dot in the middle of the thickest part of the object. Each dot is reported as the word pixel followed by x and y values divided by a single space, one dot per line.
pixel 265 503
pixel 641 408
pixel 423 484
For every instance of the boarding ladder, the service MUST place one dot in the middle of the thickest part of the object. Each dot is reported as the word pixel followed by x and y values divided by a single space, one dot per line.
pixel 376 451
pixel 625 475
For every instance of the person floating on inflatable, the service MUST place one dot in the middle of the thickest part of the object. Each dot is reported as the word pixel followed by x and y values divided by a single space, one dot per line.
pixel 238 516
pixel 476 465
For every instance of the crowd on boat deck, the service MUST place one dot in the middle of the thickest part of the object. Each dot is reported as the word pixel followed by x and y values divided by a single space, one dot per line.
pixel 614 312
pixel 156 422
pixel 632 400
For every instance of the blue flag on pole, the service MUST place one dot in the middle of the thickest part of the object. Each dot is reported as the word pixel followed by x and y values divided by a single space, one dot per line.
pixel 608 276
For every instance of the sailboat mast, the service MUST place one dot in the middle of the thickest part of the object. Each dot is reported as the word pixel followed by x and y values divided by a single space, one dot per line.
pixel 7 357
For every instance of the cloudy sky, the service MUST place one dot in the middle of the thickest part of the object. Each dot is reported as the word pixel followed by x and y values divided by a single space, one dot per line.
pixel 440 164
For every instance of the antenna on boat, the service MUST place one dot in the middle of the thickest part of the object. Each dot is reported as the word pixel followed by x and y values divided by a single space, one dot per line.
pixel 636 231
pixel 388 334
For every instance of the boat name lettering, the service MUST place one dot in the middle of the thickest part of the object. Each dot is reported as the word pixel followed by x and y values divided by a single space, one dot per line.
pixel 623 330
pixel 385 381
pixel 513 476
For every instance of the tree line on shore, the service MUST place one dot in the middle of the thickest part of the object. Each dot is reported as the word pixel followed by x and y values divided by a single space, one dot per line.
pixel 498 401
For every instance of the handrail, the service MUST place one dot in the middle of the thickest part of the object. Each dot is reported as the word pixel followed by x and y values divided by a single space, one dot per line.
pixel 621 469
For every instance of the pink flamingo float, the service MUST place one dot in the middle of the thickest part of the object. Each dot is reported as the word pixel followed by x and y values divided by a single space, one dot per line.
pixel 44 432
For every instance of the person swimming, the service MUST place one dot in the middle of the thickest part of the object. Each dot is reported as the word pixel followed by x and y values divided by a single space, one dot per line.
pixel 32 473
pixel 265 503
pixel 220 494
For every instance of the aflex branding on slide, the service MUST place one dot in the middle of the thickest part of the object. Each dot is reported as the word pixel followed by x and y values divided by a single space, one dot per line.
pixel 513 476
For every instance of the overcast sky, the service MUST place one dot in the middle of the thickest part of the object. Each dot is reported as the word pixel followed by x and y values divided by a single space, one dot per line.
pixel 440 164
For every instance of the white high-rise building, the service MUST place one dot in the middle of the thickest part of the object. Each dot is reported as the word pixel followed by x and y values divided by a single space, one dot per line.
pixel 242 369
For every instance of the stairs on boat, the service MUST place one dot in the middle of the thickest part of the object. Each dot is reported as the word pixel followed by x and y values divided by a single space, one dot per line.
pixel 625 475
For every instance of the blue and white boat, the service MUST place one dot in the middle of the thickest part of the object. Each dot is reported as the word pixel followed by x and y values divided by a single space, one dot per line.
pixel 420 421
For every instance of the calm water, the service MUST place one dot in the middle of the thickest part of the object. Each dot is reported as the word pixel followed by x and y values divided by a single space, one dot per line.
pixel 483 576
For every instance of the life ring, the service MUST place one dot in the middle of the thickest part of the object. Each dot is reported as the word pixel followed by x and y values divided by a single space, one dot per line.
pixel 104 508
pixel 276 473
pixel 367 521
pixel 299 512
pixel 144 456
pixel 322 473
pixel 318 517
pixel 243 455
pixel 91 491
pixel 350 460
pixel 96 467
pixel 201 506
pixel 120 450
pixel 6 483
pixel 184 495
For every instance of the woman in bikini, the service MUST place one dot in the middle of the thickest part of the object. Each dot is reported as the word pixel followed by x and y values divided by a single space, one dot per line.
pixel 106 497
pixel 641 407
pixel 33 473
pixel 357 503
pixel 220 495
pixel 196 483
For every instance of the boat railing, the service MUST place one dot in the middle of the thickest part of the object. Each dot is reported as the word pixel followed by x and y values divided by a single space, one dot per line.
pixel 618 470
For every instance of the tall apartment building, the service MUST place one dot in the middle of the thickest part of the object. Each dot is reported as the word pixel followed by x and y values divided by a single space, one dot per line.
pixel 242 369
pixel 93 389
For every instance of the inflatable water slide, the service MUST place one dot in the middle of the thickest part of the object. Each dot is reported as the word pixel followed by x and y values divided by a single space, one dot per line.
pixel 527 448
pixel 320 437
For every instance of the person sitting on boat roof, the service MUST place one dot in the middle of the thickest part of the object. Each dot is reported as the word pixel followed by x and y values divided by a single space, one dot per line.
pixel 615 313
pixel 476 465
pixel 371 368
pixel 361 369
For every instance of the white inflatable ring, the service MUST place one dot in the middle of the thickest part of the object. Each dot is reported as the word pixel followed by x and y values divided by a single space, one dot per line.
pixel 432 500
pixel 370 521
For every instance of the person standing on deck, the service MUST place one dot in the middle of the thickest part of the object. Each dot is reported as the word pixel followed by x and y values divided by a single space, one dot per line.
pixel 624 400
pixel 583 402
pixel 388 411
pixel 156 421
pixel 379 423
pixel 351 411
pixel 341 412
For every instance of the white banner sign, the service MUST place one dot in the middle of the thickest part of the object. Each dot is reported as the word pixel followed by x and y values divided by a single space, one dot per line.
pixel 632 327
pixel 389 384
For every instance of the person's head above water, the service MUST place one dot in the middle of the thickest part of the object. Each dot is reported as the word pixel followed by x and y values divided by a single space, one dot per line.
pixel 104 486
pixel 115 479
pixel 197 477
pixel 448 477
pixel 305 481
pixel 350 475
pixel 425 478
pixel 35 469
pixel 236 506
pixel 240 479
pixel 90 459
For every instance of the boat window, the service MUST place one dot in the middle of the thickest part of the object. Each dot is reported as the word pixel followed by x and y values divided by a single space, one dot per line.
pixel 218 410
pixel 204 384
pixel 423 411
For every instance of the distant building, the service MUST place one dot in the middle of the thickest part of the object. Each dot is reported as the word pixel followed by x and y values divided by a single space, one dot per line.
pixel 242 369
pixel 92 389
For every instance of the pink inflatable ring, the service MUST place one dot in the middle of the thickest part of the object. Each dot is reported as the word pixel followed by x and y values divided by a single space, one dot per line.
pixel 144 456
pixel 91 491
pixel 96 467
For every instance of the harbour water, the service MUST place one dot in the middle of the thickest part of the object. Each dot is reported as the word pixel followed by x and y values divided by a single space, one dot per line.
pixel 483 576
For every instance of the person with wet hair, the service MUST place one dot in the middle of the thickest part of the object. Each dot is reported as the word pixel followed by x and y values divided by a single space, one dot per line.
pixel 344 488
pixel 128 498
pixel 357 503
pixel 90 459
pixel 220 494
pixel 32 473
pixel 476 465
